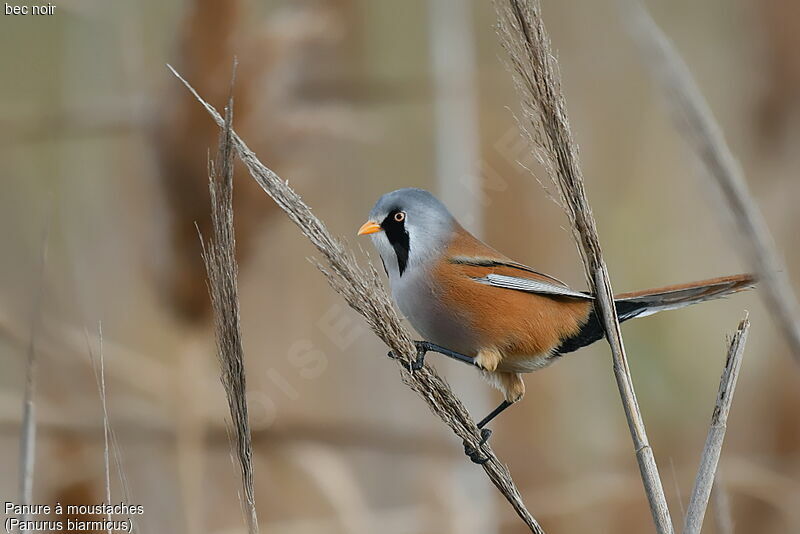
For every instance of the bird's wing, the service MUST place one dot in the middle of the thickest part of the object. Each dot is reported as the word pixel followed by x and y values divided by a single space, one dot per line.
pixel 531 285
pixel 528 280
pixel 479 261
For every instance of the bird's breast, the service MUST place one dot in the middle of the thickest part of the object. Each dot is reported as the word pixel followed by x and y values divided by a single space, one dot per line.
pixel 421 301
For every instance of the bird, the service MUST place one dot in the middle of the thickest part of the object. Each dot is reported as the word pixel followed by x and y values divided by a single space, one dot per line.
pixel 473 304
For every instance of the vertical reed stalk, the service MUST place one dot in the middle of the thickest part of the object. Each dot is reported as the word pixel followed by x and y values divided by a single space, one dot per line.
pixel 28 435
pixel 545 122
pixel 698 502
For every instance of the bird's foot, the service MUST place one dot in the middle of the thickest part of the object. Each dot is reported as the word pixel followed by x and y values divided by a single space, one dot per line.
pixel 419 362
pixel 474 453
pixel 422 350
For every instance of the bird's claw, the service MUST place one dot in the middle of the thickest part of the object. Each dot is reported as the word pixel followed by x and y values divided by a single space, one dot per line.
pixel 419 362
pixel 474 453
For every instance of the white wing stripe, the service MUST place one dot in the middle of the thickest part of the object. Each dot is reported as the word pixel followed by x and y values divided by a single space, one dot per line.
pixel 530 285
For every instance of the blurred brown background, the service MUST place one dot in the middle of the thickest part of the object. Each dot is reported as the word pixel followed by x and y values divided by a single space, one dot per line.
pixel 348 99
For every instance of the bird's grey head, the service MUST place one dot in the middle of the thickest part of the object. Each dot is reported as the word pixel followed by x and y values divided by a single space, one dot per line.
pixel 408 227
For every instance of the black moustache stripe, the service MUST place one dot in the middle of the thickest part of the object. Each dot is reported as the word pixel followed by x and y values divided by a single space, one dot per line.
pixel 397 235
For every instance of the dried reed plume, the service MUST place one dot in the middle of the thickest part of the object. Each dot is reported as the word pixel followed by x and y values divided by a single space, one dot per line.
pixel 220 261
pixel 545 123
pixel 694 119
pixel 704 481
pixel 364 292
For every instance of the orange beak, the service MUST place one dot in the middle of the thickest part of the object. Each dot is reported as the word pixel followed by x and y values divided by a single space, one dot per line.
pixel 369 227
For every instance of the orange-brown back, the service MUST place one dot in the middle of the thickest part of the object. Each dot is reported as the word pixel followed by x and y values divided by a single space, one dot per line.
pixel 515 322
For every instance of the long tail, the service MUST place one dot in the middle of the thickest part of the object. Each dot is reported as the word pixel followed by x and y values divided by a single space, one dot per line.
pixel 650 301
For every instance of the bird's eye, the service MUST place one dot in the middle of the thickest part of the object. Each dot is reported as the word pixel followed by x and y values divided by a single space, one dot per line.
pixel 400 216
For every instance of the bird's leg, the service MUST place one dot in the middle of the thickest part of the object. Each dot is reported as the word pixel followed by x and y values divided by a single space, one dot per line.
pixel 494 413
pixel 473 452
pixel 423 347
